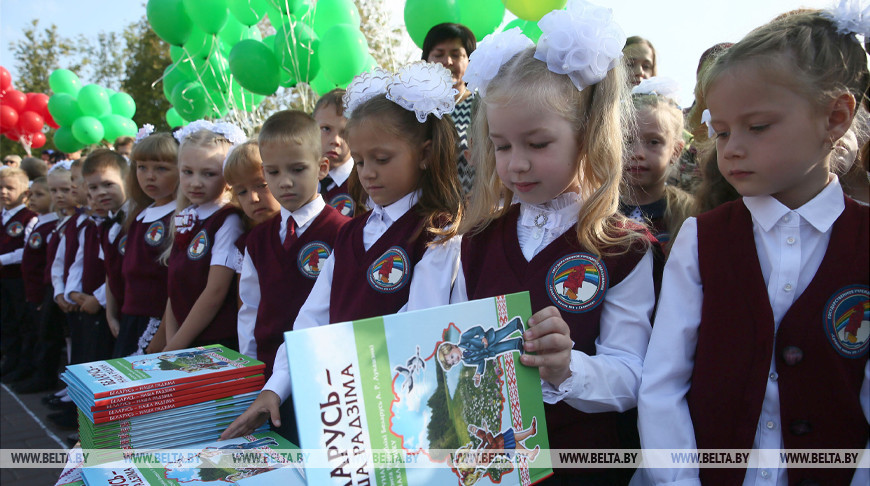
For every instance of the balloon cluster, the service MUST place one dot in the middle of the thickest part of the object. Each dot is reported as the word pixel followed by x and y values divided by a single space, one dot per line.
pixel 87 114
pixel 481 16
pixel 220 61
pixel 23 116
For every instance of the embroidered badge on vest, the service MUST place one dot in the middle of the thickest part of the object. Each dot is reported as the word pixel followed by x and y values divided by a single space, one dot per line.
pixel 390 272
pixel 847 321
pixel 15 229
pixel 310 258
pixel 35 240
pixel 343 203
pixel 577 283
pixel 198 246
pixel 122 244
pixel 155 232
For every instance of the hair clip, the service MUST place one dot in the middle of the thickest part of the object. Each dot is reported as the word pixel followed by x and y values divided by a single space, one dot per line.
pixel 422 87
pixel 227 130
pixel 582 41
pixel 850 18
pixel 146 130
pixel 705 119
pixel 659 86
pixel 61 164
pixel 491 54
pixel 365 87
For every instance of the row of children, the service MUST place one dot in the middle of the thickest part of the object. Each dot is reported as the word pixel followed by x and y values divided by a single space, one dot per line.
pixel 548 147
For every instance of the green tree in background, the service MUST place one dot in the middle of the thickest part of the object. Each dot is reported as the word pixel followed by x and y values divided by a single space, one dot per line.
pixel 146 58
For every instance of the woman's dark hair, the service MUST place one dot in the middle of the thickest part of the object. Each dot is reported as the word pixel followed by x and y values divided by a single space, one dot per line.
pixel 447 31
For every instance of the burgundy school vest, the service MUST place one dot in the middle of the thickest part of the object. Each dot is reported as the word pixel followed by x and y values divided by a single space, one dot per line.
pixel 12 239
pixel 338 198
pixel 189 264
pixel 819 371
pixel 563 274
pixel 144 276
pixel 375 282
pixel 71 241
pixel 93 270
pixel 286 277
pixel 113 257
pixel 33 262
pixel 53 244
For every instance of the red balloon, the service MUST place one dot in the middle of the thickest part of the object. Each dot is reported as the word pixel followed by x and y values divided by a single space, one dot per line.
pixel 8 117
pixel 5 79
pixel 12 134
pixel 30 122
pixel 50 121
pixel 37 140
pixel 15 99
pixel 37 103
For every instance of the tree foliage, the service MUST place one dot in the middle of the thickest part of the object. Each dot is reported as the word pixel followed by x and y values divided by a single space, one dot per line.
pixel 146 58
pixel 39 53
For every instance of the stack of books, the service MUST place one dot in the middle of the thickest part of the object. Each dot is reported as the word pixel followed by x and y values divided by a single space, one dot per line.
pixel 162 400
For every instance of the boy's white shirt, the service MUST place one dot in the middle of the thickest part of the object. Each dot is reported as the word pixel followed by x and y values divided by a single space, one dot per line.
pixel 56 272
pixel 608 381
pixel 790 245
pixel 14 257
pixel 340 174
pixel 74 276
pixel 315 310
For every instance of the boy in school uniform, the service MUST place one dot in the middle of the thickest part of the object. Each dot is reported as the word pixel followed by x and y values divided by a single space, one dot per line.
pixel 329 114
pixel 16 220
pixel 279 266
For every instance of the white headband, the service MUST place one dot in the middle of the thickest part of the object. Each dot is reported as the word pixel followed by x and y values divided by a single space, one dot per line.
pixel 659 86
pixel 850 18
pixel 229 131
pixel 146 130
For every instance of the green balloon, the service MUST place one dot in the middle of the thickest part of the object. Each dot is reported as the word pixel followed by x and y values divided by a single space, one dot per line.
pixel 343 50
pixel 283 5
pixel 232 32
pixel 219 108
pixel 481 16
pixel 328 13
pixel 94 101
pixel 530 28
pixel 123 104
pixel 65 141
pixel 130 128
pixel 242 99
pixel 174 119
pixel 88 130
pixel 422 15
pixel 64 81
pixel 216 73
pixel 248 12
pixel 64 109
pixel 254 67
pixel 208 15
pixel 113 126
pixel 169 20
pixel 298 59
pixel 172 76
pixel 190 101
pixel 176 53
pixel 201 44
pixel 322 85
pixel 533 9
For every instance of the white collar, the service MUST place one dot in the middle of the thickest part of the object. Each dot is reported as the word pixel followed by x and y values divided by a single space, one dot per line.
pixel 820 211
pixel 305 214
pixel 342 172
pixel 46 218
pixel 13 211
pixel 396 210
pixel 556 214
pixel 153 213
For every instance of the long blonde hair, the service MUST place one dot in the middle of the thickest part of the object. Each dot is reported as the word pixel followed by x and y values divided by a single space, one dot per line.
pixel 599 115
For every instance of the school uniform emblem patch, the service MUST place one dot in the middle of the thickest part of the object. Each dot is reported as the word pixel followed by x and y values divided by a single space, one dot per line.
pixel 391 271
pixel 577 282
pixel 343 203
pixel 847 321
pixel 15 229
pixel 311 257
pixel 154 234
pixel 35 240
pixel 198 246
pixel 122 244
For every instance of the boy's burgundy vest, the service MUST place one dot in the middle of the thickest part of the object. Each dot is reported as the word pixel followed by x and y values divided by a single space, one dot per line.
pixel 33 262
pixel 13 239
pixel 493 264
pixel 820 371
pixel 338 198
pixel 375 282
pixel 53 244
pixel 287 276
pixel 113 257
pixel 144 276
pixel 93 270
pixel 189 264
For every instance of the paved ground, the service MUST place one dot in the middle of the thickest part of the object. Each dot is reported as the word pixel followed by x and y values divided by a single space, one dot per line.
pixel 24 425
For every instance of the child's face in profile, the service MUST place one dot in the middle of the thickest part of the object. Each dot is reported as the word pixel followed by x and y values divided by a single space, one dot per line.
pixel 40 199
pixel 106 189
pixel 293 174
pixel 332 139
pixel 651 152
pixel 79 191
pixel 256 199
pixel 12 192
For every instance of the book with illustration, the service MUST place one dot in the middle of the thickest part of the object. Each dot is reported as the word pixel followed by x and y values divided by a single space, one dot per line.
pixel 436 396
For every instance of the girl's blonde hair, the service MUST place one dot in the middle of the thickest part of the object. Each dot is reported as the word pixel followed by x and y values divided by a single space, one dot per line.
pixel 599 115
pixel 440 201
pixel 57 171
pixel 242 162
pixel 157 147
